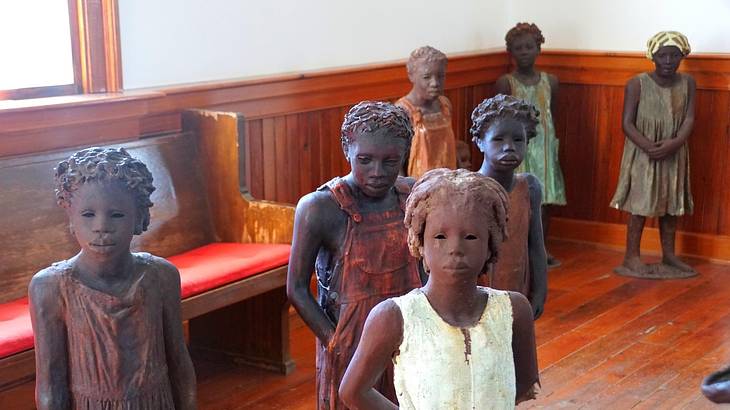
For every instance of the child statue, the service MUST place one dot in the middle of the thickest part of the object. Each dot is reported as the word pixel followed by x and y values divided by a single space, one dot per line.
pixel 107 322
pixel 454 345
pixel 658 118
pixel 541 90
pixel 351 232
pixel 502 127
pixel 434 145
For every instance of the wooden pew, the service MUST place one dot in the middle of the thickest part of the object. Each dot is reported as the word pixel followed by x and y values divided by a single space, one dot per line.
pixel 201 221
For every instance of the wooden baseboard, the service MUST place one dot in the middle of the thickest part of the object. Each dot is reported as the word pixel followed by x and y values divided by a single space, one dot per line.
pixel 283 367
pixel 711 247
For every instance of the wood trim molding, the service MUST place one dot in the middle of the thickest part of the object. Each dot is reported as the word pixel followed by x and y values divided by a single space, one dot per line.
pixel 98 45
pixel 59 122
pixel 710 247
pixel 322 89
pixel 711 71
pixel 38 92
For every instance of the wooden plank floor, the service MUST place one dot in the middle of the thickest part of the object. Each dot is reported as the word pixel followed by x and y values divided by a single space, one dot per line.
pixel 605 341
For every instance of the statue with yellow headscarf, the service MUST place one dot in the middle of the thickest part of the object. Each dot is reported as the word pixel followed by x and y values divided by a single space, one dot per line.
pixel 658 118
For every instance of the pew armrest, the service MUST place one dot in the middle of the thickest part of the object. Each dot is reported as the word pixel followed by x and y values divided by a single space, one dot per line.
pixel 269 222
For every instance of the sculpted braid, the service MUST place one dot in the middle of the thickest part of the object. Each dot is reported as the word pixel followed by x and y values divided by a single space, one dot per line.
pixel 441 186
pixel 105 164
pixel 501 106
pixel 368 116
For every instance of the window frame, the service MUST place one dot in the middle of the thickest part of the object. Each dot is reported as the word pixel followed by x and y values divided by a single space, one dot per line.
pixel 95 50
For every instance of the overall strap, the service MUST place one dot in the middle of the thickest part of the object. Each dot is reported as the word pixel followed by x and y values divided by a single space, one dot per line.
pixel 342 194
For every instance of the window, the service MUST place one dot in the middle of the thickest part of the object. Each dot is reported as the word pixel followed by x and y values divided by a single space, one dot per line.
pixel 58 47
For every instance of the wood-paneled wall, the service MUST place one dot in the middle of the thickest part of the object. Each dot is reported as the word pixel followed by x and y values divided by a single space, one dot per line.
pixel 31 126
pixel 293 154
pixel 294 121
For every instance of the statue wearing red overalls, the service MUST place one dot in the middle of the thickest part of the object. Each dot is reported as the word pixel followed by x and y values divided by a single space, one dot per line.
pixel 351 232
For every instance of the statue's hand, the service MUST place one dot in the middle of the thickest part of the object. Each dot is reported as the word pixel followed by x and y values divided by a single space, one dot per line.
pixel 663 149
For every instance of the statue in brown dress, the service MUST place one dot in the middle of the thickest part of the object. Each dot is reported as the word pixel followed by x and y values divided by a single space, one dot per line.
pixel 658 118
pixel 107 322
pixel 502 128
pixel 434 145
pixel 350 231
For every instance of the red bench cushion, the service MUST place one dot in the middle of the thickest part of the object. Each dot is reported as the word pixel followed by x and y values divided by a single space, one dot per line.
pixel 201 269
pixel 218 264
pixel 16 333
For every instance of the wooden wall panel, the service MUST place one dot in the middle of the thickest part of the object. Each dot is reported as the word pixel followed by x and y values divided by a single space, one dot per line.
pixel 31 126
pixel 294 121
pixel 293 154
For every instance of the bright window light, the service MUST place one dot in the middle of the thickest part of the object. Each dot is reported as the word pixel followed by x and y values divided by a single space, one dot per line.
pixel 36 44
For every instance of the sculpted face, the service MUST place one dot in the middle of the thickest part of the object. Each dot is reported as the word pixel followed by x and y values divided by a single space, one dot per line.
pixel 667 60
pixel 504 144
pixel 428 79
pixel 376 158
pixel 524 50
pixel 103 217
pixel 455 239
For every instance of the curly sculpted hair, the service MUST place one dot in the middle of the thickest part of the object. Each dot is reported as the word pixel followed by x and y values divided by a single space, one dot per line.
pixel 427 54
pixel 524 28
pixel 106 164
pixel 441 186
pixel 369 116
pixel 501 106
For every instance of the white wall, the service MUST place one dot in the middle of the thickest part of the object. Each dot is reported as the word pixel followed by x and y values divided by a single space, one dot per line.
pixel 182 41
pixel 624 25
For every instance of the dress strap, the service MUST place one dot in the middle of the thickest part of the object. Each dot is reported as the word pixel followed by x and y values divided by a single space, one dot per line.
pixel 544 79
pixel 415 112
pixel 513 83
pixel 445 106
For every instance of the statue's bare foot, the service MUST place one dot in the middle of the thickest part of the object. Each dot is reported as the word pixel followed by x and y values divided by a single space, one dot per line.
pixel 636 266
pixel 675 262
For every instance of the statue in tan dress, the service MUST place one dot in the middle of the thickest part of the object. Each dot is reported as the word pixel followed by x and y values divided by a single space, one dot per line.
pixel 658 118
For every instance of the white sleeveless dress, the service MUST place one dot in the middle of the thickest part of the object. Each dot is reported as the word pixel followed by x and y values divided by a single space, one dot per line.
pixel 440 366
